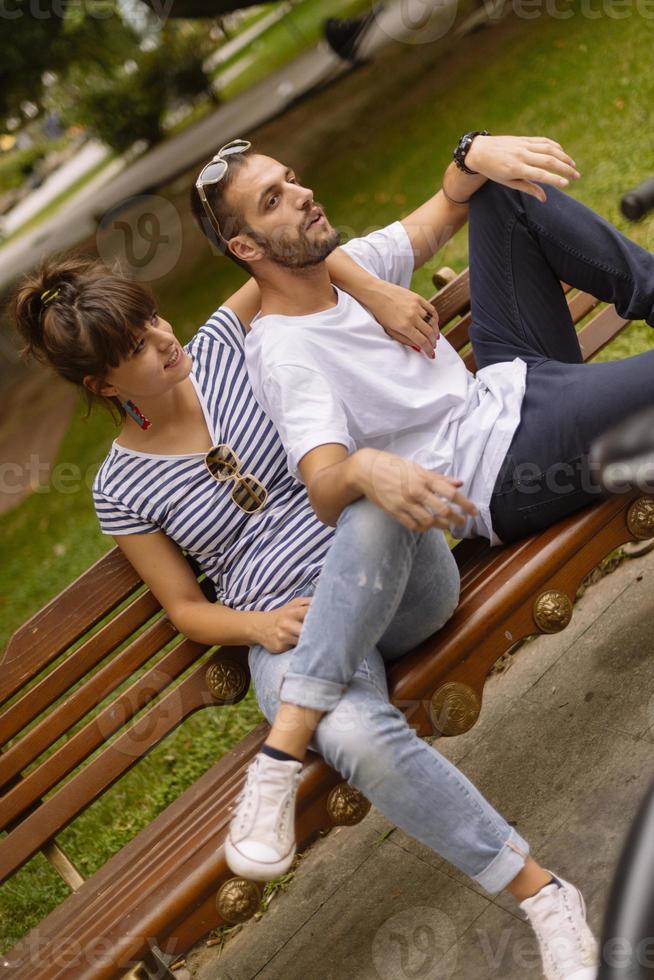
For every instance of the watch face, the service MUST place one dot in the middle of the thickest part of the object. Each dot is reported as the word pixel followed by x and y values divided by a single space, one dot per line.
pixel 463 145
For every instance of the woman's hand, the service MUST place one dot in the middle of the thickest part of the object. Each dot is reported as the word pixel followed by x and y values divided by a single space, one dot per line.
pixel 280 628
pixel 519 161
pixel 418 498
pixel 401 312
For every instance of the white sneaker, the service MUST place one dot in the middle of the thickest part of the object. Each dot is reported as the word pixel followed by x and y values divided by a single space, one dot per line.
pixel 261 841
pixel 567 946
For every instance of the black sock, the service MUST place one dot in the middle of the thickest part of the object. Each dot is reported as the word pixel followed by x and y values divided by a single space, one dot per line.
pixel 553 881
pixel 277 753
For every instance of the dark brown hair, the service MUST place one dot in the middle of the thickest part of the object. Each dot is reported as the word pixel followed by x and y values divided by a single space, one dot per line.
pixel 92 323
pixel 230 218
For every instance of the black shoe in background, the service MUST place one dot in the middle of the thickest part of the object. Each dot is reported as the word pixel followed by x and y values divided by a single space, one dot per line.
pixel 344 36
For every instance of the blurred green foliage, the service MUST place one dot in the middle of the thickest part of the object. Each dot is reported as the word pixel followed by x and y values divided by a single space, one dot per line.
pixel 130 102
pixel 120 109
pixel 37 40
pixel 93 66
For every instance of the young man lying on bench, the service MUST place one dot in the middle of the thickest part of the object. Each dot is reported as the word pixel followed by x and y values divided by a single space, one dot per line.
pixel 364 420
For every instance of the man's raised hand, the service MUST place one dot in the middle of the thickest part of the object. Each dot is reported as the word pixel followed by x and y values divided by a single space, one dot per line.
pixel 519 161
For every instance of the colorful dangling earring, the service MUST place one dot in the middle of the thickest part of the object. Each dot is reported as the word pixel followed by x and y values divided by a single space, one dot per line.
pixel 137 414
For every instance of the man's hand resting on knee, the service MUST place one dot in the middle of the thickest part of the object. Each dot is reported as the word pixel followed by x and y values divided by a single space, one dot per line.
pixel 419 499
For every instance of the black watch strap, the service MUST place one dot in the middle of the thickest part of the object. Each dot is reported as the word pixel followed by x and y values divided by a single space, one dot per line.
pixel 462 148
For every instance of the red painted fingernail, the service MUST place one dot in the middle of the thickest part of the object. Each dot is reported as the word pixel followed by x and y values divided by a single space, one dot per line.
pixel 415 348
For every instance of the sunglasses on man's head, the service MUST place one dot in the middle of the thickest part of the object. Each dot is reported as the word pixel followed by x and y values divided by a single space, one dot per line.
pixel 213 172
pixel 248 493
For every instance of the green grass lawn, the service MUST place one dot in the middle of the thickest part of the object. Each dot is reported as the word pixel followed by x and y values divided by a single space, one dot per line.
pixel 372 146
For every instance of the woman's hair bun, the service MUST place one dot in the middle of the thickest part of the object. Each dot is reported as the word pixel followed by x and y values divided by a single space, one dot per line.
pixel 55 276
pixel 81 318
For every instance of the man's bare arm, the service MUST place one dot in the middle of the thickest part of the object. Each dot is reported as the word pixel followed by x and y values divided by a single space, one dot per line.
pixel 432 225
pixel 418 498
pixel 516 161
pixel 400 311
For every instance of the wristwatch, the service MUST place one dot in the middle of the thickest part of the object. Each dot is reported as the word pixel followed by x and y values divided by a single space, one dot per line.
pixel 462 148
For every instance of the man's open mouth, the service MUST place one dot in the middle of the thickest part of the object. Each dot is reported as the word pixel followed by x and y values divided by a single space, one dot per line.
pixel 317 217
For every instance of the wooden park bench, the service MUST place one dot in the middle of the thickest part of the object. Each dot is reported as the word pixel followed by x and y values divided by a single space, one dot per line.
pixel 95 645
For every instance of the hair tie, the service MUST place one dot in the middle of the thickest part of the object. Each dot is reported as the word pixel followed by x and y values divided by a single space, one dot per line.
pixel 49 295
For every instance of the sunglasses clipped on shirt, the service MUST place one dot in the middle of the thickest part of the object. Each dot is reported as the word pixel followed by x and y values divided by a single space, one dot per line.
pixel 213 172
pixel 248 493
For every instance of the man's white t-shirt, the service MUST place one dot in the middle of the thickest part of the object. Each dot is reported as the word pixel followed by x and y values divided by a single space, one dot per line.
pixel 335 376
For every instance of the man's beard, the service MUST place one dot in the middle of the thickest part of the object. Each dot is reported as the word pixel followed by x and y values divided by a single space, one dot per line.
pixel 297 252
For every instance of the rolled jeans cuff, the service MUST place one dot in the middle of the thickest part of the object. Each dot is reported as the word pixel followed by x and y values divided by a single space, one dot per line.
pixel 311 692
pixel 504 867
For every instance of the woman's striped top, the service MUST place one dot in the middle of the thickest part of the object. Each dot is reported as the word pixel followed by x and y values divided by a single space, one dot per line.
pixel 257 561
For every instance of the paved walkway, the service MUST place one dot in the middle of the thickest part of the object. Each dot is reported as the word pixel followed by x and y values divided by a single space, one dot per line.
pixel 563 749
pixel 31 432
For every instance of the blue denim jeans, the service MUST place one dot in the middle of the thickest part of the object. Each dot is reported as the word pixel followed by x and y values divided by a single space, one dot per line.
pixel 519 250
pixel 382 590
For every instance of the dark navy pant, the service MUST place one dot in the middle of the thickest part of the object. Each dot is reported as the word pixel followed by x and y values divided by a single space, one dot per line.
pixel 519 250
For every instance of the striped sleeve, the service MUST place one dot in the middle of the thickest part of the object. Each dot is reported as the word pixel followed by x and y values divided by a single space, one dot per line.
pixel 225 327
pixel 116 517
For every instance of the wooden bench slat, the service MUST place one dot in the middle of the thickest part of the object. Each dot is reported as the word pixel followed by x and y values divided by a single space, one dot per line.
pixel 580 305
pixel 468 550
pixel 114 716
pixel 453 299
pixel 144 873
pixel 62 718
pixel 489 563
pixel 121 870
pixel 469 360
pixel 78 663
pixel 600 331
pixel 60 809
pixel 65 619
pixel 458 335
